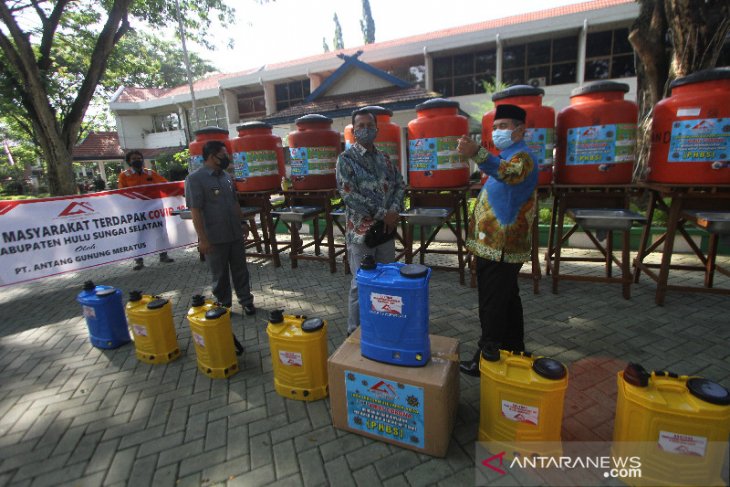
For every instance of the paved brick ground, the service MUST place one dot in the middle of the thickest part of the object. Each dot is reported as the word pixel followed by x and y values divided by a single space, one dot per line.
pixel 71 414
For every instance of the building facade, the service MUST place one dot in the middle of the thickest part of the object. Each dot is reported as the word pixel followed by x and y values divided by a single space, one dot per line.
pixel 557 49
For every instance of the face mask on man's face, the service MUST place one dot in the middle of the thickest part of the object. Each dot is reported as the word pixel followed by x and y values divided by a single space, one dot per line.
pixel 502 138
pixel 366 136
pixel 137 164
pixel 223 162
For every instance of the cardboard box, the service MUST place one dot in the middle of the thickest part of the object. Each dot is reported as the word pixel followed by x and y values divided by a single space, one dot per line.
pixel 412 407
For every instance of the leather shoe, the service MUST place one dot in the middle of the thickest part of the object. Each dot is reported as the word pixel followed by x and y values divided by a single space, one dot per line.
pixel 470 367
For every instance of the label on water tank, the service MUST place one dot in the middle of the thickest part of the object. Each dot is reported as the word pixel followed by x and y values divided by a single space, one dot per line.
pixel 700 140
pixel 255 163
pixel 88 311
pixel 290 359
pixel 194 163
pixel 386 304
pixel 682 444
pixel 199 339
pixel 520 413
pixel 390 148
pixel 313 160
pixel 139 330
pixel 434 154
pixel 385 408
pixel 601 144
pixel 541 143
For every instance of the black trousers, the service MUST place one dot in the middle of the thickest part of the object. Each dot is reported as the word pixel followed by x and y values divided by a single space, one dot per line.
pixel 500 307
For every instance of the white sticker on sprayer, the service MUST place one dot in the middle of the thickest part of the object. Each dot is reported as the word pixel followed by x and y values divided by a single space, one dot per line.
pixel 88 311
pixel 199 339
pixel 385 303
pixel 140 330
pixel 688 112
pixel 292 359
pixel 682 444
pixel 520 413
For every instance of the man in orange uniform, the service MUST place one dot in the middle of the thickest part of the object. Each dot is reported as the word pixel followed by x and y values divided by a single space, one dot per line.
pixel 138 175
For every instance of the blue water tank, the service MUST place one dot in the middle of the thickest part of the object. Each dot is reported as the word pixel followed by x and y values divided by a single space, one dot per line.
pixel 104 312
pixel 394 312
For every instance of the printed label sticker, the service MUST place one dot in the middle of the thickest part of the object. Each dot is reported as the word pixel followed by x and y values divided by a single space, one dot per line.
pixel 435 153
pixel 257 163
pixel 700 140
pixel 88 311
pixel 682 444
pixel 520 413
pixel 140 330
pixel 292 359
pixel 385 303
pixel 601 144
pixel 199 339
pixel 313 160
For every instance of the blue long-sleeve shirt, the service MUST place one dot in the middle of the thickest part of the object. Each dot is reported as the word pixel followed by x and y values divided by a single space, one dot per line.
pixel 499 227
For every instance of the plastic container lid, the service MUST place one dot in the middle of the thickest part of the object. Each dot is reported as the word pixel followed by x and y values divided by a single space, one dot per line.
pixel 414 271
pixel 312 324
pixel 549 368
pixel 215 313
pixel 598 87
pixel 211 130
pixel 704 75
pixel 491 354
pixel 198 300
pixel 368 263
pixel 636 375
pixel 89 286
pixel 254 125
pixel 157 303
pixel 276 316
pixel 135 296
pixel 437 103
pixel 105 292
pixel 709 391
pixel 518 90
pixel 313 118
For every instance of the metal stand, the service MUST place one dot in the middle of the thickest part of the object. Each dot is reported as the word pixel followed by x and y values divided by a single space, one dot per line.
pixel 321 199
pixel 567 197
pixel 454 201
pixel 259 202
pixel 686 202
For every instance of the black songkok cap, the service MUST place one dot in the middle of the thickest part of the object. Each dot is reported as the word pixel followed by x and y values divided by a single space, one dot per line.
pixel 510 111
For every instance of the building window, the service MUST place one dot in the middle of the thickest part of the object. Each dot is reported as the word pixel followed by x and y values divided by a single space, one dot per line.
pixel 546 62
pixel 210 116
pixel 609 55
pixel 165 123
pixel 251 105
pixel 464 74
pixel 288 94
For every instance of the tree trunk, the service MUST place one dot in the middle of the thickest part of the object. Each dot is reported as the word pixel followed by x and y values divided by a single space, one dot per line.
pixel 672 38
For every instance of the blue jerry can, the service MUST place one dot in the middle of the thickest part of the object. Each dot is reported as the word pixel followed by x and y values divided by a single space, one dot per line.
pixel 394 312
pixel 104 312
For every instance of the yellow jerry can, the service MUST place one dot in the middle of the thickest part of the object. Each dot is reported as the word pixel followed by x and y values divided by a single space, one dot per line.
pixel 678 427
pixel 212 335
pixel 298 356
pixel 150 319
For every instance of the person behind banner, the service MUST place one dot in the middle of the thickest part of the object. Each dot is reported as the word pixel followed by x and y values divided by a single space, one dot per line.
pixel 138 175
pixel 220 225
pixel 499 232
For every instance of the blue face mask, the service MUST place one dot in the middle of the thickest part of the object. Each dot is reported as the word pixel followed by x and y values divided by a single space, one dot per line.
pixel 502 138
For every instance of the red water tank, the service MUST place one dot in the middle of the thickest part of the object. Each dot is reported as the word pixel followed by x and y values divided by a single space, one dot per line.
pixel 388 139
pixel 201 137
pixel 690 136
pixel 314 148
pixel 432 139
pixel 258 157
pixel 540 125
pixel 596 136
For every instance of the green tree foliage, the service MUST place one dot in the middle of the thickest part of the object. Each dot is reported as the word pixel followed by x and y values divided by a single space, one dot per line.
pixel 337 42
pixel 325 46
pixel 367 24
pixel 57 56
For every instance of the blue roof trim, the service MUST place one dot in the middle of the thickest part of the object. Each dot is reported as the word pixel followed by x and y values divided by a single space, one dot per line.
pixel 350 63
